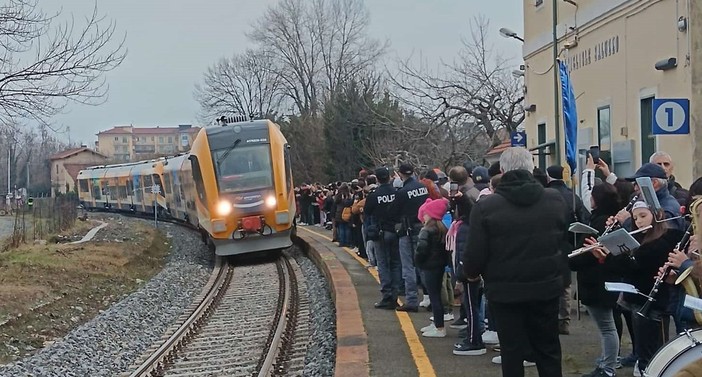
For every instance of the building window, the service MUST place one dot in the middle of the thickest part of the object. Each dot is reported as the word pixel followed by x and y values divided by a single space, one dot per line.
pixel 116 138
pixel 124 139
pixel 56 168
pixel 160 139
pixel 604 128
pixel 152 138
pixel 170 140
pixel 541 137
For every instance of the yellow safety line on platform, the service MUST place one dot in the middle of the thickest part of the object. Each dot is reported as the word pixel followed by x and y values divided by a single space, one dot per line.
pixel 421 360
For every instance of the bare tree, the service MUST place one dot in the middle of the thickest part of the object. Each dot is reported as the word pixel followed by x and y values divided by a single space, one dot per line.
pixel 316 46
pixel 43 66
pixel 477 90
pixel 243 84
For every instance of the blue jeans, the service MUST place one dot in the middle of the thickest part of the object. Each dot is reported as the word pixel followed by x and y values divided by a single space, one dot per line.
pixel 387 255
pixel 370 251
pixel 433 280
pixel 407 246
pixel 608 334
pixel 344 233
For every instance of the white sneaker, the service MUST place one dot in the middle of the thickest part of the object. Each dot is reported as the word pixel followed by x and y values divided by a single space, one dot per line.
pixel 425 302
pixel 490 337
pixel 428 328
pixel 447 317
pixel 637 373
pixel 436 333
pixel 498 360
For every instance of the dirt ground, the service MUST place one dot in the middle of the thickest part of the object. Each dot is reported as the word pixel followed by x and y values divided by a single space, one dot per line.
pixel 47 289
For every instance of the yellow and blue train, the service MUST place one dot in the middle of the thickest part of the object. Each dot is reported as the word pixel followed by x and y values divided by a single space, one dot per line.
pixel 235 186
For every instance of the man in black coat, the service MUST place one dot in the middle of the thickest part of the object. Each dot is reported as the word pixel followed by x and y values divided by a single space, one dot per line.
pixel 514 242
pixel 578 213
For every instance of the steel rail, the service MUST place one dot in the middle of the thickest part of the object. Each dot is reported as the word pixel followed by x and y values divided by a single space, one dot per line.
pixel 157 361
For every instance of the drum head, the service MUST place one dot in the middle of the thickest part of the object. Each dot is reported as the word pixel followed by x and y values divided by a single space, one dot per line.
pixel 675 355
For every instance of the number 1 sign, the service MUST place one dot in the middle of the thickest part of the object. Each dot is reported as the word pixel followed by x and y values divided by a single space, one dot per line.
pixel 671 116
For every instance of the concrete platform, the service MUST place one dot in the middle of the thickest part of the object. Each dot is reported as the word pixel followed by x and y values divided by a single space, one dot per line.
pixel 373 342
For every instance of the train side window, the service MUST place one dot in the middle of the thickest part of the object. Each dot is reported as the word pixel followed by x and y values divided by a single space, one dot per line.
pixel 148 183
pixel 167 182
pixel 130 187
pixel 84 187
pixel 157 181
pixel 96 190
pixel 197 177
pixel 122 192
pixel 288 169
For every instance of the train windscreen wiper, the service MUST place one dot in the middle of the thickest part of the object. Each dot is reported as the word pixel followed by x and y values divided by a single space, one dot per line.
pixel 227 152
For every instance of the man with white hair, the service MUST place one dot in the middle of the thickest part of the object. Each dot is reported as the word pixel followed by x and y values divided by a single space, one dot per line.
pixel 514 242
pixel 664 160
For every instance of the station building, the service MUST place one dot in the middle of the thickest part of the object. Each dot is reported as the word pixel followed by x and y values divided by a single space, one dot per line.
pixel 622 55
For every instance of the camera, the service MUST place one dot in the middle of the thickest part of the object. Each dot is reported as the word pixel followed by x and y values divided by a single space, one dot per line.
pixel 595 153
pixel 453 189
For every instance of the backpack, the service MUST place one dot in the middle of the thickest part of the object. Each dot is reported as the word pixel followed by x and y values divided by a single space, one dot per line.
pixel 346 214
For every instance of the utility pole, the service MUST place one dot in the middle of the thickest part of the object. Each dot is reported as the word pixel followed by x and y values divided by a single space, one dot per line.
pixel 8 170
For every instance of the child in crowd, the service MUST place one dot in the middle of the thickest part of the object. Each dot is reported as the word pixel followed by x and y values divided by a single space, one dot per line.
pixel 640 269
pixel 431 258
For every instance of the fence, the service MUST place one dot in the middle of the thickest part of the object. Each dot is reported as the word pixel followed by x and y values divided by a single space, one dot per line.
pixel 44 217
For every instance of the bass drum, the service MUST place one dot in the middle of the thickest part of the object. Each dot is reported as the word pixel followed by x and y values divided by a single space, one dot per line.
pixel 676 354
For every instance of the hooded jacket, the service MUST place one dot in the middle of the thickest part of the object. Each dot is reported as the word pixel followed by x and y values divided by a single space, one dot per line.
pixel 514 240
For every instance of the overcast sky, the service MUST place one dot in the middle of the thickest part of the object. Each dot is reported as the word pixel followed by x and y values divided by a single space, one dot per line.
pixel 172 42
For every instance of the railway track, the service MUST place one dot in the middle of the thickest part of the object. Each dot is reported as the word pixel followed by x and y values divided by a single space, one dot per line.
pixel 249 320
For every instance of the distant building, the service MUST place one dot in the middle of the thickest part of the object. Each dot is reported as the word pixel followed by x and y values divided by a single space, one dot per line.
pixel 127 143
pixel 66 165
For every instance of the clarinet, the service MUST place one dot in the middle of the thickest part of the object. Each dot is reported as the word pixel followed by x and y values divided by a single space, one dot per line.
pixel 615 223
pixel 682 245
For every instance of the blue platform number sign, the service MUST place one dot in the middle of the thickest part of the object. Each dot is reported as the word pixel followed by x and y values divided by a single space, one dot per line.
pixel 671 116
pixel 519 139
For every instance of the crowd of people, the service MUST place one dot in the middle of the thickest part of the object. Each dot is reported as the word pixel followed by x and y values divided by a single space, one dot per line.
pixel 497 240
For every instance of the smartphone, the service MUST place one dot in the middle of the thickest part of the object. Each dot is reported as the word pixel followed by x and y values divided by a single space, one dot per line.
pixel 453 189
pixel 595 153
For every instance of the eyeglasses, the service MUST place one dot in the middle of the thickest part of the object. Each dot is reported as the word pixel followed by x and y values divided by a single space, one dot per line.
pixel 663 164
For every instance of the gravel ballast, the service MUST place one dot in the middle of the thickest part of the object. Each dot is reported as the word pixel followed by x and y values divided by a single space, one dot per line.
pixel 109 343
pixel 321 354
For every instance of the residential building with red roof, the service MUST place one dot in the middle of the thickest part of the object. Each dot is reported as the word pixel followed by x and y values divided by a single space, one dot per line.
pixel 128 143
pixel 65 166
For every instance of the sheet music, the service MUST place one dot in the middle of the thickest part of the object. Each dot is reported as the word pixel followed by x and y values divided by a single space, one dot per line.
pixel 693 302
pixel 620 287
pixel 578 227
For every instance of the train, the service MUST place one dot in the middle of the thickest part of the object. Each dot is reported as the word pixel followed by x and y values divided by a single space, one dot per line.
pixel 235 186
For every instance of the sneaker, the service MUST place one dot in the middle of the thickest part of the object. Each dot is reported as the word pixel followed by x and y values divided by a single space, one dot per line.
pixel 469 350
pixel 428 328
pixel 405 308
pixel 385 305
pixel 490 337
pixel 425 302
pixel 637 372
pixel 459 324
pixel 628 361
pixel 564 327
pixel 498 360
pixel 436 333
pixel 618 364
pixel 598 372
pixel 447 317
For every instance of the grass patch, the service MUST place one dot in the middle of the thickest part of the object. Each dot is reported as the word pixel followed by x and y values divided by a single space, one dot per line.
pixel 46 290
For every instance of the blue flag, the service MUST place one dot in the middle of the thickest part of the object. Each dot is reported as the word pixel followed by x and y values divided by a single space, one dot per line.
pixel 570 117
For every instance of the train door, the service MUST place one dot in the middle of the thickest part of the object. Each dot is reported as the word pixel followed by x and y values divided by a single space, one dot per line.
pixel 148 198
pixel 138 194
pixel 97 192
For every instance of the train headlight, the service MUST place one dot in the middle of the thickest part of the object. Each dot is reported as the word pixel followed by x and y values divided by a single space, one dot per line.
pixel 271 202
pixel 224 208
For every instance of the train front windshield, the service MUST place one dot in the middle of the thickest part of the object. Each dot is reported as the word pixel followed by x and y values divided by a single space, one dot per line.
pixel 244 168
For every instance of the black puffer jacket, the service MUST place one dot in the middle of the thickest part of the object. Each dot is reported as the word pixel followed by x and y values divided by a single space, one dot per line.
pixel 431 251
pixel 514 240
pixel 592 274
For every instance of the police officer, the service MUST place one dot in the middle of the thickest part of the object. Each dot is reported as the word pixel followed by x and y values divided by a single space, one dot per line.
pixel 404 210
pixel 382 233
